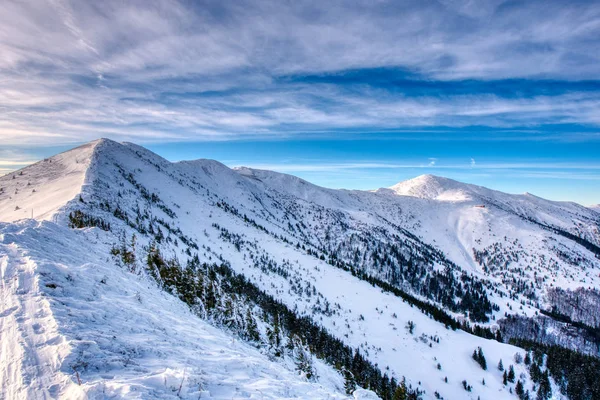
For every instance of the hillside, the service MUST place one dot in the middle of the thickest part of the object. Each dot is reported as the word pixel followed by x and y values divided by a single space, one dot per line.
pixel 69 314
pixel 40 190
pixel 193 252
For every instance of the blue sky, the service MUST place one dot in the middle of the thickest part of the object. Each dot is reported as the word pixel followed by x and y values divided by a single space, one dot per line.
pixel 357 94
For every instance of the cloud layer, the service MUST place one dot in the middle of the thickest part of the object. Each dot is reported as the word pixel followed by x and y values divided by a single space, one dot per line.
pixel 165 70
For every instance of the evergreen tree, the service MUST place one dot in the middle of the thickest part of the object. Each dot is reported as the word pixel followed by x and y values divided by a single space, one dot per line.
pixel 500 365
pixel 401 392
pixel 511 374
pixel 349 382
pixel 252 332
pixel 304 363
pixel 545 390
pixel 274 336
pixel 466 386
pixel 519 388
pixel 482 360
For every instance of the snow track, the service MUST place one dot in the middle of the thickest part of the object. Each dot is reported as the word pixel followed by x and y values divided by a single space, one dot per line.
pixel 64 320
pixel 31 347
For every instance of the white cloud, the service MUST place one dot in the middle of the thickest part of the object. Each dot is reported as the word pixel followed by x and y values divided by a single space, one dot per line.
pixel 319 165
pixel 169 70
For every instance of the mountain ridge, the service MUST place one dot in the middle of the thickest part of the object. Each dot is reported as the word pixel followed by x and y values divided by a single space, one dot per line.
pixel 415 187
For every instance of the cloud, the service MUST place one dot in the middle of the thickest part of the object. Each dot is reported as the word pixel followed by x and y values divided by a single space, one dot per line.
pixel 319 165
pixel 472 162
pixel 167 70
pixel 13 159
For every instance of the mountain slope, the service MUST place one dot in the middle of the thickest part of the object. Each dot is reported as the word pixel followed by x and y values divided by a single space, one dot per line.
pixel 42 188
pixel 478 229
pixel 569 216
pixel 384 273
pixel 123 337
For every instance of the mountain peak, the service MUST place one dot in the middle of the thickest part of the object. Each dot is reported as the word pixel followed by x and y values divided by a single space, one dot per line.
pixel 433 187
pixel 41 189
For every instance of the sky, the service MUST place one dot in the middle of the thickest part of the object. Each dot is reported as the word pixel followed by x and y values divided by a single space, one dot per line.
pixel 346 94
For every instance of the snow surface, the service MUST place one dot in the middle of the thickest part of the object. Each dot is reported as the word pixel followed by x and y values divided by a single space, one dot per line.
pixel 432 187
pixel 41 189
pixel 67 307
pixel 66 303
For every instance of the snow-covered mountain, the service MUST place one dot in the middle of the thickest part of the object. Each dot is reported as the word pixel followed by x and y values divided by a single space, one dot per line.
pixel 142 278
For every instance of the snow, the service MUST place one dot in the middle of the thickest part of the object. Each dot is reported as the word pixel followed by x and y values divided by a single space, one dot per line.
pixel 66 309
pixel 44 187
pixel 139 342
pixel 432 187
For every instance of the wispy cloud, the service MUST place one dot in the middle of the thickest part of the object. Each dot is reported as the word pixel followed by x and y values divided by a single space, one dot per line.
pixel 317 165
pixel 165 70
pixel 12 159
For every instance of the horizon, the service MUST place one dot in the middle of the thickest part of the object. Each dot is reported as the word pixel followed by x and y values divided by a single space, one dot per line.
pixel 501 94
pixel 301 171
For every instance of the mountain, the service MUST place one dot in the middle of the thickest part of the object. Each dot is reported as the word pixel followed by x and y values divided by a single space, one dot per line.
pixel 143 278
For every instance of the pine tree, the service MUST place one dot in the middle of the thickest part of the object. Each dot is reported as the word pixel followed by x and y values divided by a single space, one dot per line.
pixel 349 382
pixel 482 360
pixel 274 336
pixel 466 386
pixel 511 374
pixel 401 392
pixel 410 325
pixel 518 358
pixel 500 365
pixel 251 327
pixel 519 388
pixel 504 378
pixel 305 363
pixel 545 390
